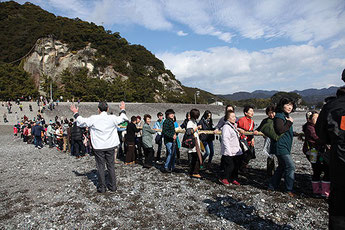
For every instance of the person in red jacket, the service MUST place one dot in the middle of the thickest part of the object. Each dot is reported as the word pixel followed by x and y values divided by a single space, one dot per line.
pixel 244 124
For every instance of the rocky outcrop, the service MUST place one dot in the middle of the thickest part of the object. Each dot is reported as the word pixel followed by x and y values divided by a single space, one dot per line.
pixel 51 57
pixel 170 84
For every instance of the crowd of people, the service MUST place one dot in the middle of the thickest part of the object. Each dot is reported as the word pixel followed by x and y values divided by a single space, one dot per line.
pixel 139 143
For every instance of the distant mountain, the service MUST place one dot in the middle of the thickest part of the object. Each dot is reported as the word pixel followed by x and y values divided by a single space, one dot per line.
pixel 246 95
pixel 311 96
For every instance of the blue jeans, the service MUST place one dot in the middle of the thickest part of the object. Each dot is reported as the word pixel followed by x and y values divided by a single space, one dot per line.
pixel 38 141
pixel 285 167
pixel 209 150
pixel 171 149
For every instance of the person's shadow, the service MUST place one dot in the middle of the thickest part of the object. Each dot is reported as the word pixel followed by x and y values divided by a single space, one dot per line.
pixel 239 213
pixel 92 176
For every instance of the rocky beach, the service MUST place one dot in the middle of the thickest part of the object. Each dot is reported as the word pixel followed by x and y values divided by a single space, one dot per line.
pixel 48 189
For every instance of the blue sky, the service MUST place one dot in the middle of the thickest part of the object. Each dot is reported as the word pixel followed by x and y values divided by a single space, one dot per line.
pixel 226 46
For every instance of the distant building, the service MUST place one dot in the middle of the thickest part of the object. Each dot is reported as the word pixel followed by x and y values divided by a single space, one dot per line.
pixel 217 103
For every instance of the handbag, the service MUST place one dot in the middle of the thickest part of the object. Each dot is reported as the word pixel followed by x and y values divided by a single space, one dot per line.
pixel 244 145
pixel 158 139
pixel 325 156
pixel 312 154
pixel 188 140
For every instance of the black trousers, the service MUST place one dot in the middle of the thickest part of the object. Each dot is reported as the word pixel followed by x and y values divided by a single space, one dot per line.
pixel 78 148
pixel 195 163
pixel 159 142
pixel 231 166
pixel 318 168
pixel 50 142
pixel 336 209
pixel 248 155
pixel 149 153
pixel 138 142
pixel 178 154
pixel 105 157
pixel 130 154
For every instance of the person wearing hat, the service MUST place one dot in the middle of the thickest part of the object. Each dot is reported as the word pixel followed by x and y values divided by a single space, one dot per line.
pixel 169 136
pixel 330 128
pixel 104 139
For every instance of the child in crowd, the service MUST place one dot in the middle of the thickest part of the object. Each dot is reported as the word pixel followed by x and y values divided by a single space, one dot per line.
pixel 15 130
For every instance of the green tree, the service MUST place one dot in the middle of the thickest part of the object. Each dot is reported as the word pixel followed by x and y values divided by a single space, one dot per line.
pixel 15 82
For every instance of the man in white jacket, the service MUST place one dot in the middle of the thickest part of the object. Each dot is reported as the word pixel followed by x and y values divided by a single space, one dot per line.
pixel 104 139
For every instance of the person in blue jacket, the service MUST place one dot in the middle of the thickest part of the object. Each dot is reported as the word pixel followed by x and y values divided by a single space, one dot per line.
pixel 282 148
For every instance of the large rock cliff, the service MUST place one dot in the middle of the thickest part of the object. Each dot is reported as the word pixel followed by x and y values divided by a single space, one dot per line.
pixel 51 57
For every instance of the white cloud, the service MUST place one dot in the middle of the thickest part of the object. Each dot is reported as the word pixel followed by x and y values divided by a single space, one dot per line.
pixel 338 43
pixel 298 21
pixel 147 13
pixel 226 70
pixel 181 33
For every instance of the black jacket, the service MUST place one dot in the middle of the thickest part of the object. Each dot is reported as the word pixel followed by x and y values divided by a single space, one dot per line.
pixel 330 128
pixel 76 133
pixel 206 125
pixel 131 130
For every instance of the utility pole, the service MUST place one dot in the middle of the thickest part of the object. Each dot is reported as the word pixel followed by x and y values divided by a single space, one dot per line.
pixel 51 90
pixel 196 94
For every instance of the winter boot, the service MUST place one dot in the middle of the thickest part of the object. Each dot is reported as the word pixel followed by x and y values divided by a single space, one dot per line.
pixel 325 188
pixel 317 189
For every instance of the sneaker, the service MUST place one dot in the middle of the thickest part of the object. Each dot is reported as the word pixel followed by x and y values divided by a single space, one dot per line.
pixel 99 190
pixel 196 176
pixel 290 194
pixel 235 182
pixel 224 182
pixel 166 170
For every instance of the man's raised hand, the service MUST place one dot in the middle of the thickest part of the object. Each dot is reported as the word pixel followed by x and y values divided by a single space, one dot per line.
pixel 122 105
pixel 74 109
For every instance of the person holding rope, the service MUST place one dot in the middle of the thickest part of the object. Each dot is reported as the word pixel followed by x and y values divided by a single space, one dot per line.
pixel 169 136
pixel 246 123
pixel 231 150
pixel 283 124
pixel 195 152
pixel 104 139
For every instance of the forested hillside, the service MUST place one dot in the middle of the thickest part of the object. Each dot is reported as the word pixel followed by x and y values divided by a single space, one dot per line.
pixel 22 25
